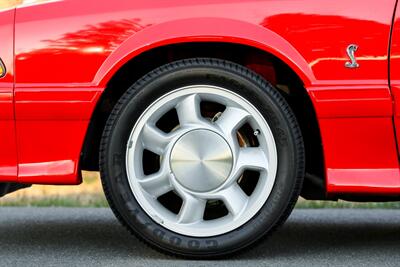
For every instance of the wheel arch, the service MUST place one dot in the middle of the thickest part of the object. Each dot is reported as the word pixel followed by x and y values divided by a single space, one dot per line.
pixel 216 30
pixel 126 65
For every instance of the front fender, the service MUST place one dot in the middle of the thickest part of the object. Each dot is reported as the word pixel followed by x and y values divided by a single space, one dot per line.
pixel 204 30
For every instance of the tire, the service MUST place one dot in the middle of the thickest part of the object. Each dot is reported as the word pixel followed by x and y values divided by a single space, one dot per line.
pixel 205 215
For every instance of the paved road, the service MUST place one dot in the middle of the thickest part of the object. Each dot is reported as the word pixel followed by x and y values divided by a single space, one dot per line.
pixel 72 237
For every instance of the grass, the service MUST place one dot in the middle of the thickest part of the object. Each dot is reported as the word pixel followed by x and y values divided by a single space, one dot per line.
pixel 317 204
pixel 66 201
pixel 90 194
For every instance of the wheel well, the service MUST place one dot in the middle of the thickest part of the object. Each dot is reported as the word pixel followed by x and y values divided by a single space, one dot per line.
pixel 268 66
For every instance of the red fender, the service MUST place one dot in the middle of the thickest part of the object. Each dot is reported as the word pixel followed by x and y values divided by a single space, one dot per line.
pixel 204 30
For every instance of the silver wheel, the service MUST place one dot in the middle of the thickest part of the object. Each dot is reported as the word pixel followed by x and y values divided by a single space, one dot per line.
pixel 201 161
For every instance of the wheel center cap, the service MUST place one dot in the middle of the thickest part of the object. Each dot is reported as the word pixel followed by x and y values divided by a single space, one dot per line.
pixel 201 160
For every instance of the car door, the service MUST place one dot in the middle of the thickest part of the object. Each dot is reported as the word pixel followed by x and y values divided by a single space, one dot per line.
pixel 8 156
pixel 394 67
pixel 55 60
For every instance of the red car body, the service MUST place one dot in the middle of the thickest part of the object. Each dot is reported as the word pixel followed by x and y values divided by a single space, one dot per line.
pixel 60 57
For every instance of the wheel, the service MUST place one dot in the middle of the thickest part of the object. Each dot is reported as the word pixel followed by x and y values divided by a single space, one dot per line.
pixel 201 158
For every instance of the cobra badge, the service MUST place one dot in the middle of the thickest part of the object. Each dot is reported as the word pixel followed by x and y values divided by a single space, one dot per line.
pixel 351 49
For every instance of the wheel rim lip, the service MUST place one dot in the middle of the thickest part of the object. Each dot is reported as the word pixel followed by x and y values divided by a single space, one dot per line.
pixel 206 228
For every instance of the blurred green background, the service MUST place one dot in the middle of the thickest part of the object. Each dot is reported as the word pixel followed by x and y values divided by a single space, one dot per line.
pixel 90 194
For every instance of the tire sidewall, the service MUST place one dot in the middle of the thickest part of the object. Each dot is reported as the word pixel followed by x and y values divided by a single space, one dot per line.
pixel 158 83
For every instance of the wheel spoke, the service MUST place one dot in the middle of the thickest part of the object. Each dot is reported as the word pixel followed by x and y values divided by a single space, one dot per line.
pixel 231 119
pixel 252 158
pixel 154 139
pixel 201 160
pixel 189 110
pixel 156 184
pixel 234 198
pixel 192 209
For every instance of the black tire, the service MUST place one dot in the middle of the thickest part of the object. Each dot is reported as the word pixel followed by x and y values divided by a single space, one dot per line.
pixel 256 90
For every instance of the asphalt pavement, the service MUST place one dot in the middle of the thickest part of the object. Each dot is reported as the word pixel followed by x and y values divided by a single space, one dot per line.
pixel 93 237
